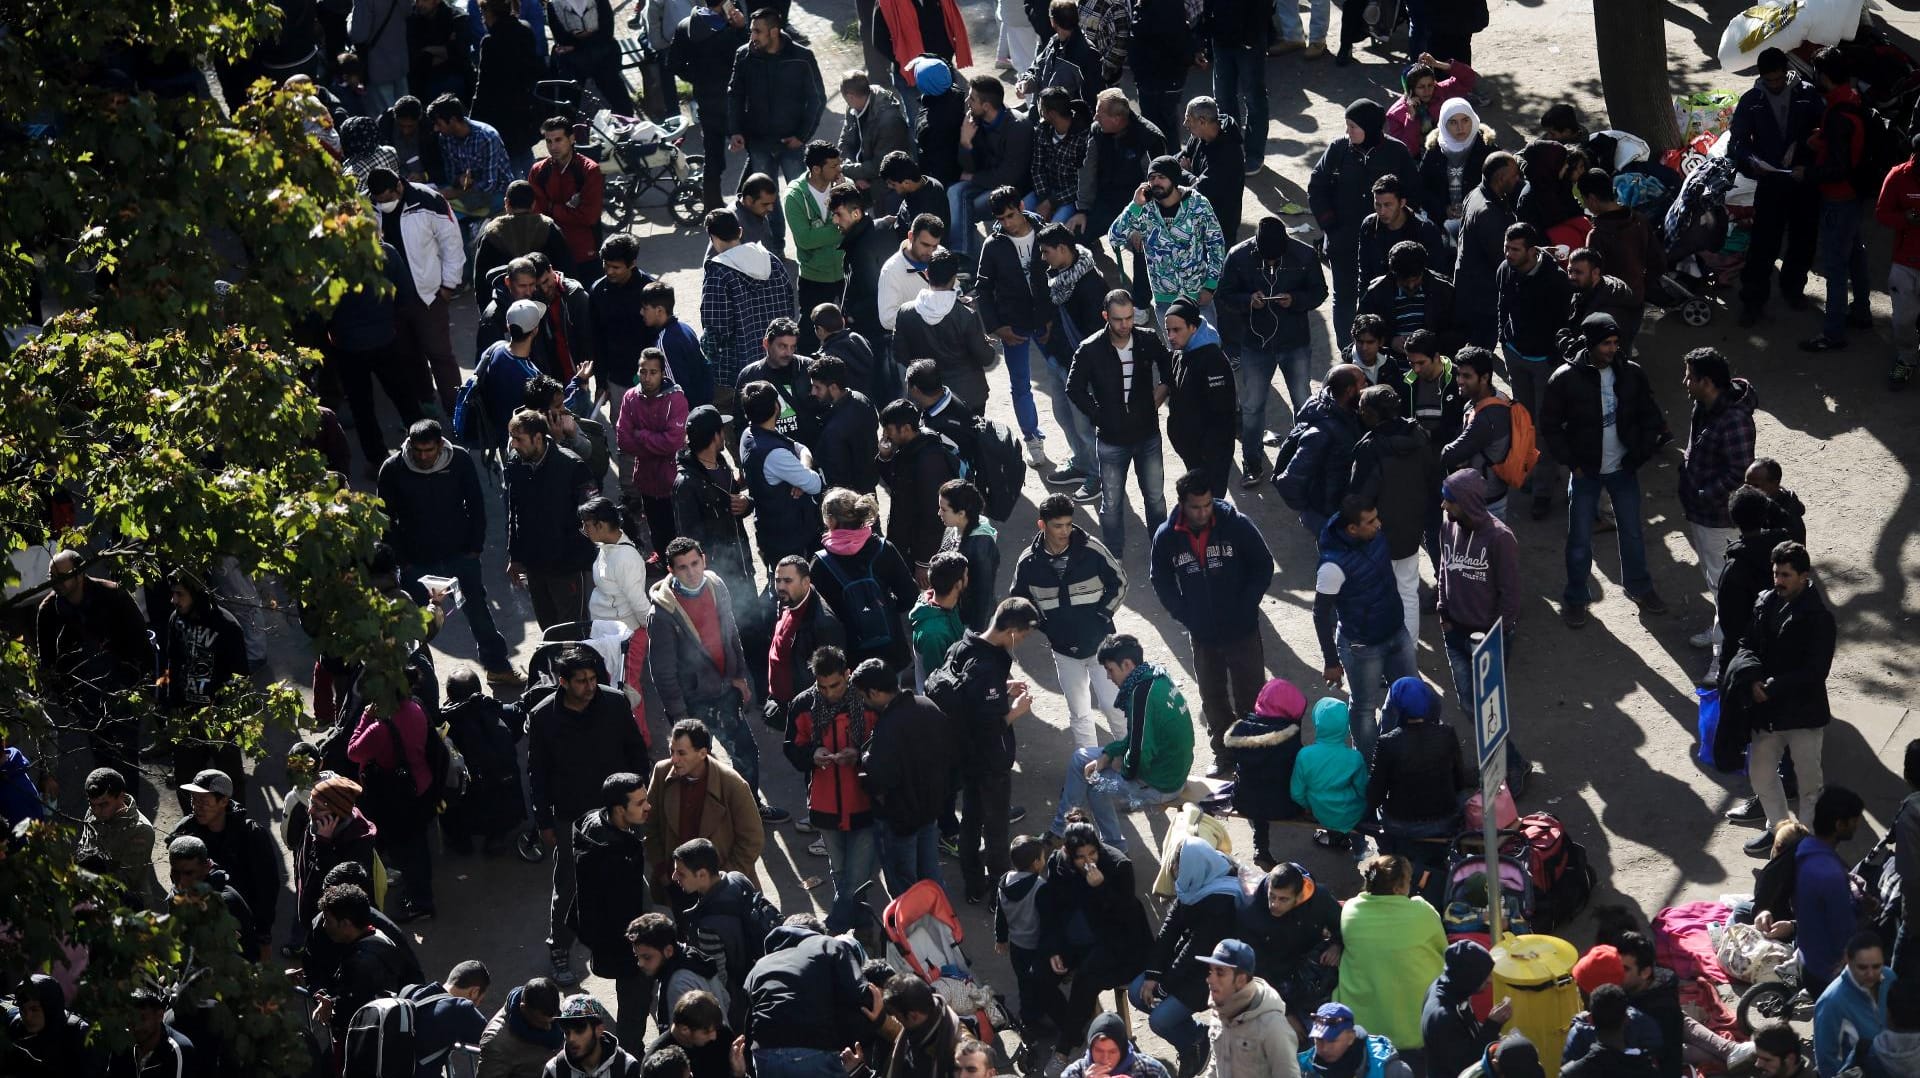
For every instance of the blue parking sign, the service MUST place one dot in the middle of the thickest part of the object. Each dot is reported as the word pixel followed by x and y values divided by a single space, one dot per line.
pixel 1491 722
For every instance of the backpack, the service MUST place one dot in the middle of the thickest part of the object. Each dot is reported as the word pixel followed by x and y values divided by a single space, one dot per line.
pixel 864 604
pixel 998 468
pixel 1881 148
pixel 1562 878
pixel 472 422
pixel 383 1037
pixel 1523 448
pixel 1283 458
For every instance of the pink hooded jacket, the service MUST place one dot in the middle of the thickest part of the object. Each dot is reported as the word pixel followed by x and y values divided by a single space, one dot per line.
pixel 652 430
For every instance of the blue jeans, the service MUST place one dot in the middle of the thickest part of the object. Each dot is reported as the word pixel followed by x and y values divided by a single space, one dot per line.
pixel 1061 213
pixel 1287 14
pixel 1148 469
pixel 1583 501
pixel 1843 260
pixel 852 857
pixel 909 98
pixel 1169 1018
pixel 797 1063
pixel 1020 381
pixel 1105 797
pixel 908 859
pixel 465 568
pixel 1254 377
pixel 728 721
pixel 769 155
pixel 1240 71
pixel 966 204
pixel 1074 426
pixel 1459 645
pixel 1370 669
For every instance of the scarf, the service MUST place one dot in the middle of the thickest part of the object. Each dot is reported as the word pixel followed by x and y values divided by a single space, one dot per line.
pixel 1142 673
pixel 684 591
pixel 1060 285
pixel 1203 873
pixel 846 542
pixel 1457 106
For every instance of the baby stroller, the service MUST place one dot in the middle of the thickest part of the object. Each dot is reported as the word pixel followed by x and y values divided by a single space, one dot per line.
pixel 1465 909
pixel 923 938
pixel 636 155
pixel 1703 250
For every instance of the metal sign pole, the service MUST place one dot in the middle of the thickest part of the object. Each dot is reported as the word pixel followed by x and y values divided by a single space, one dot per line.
pixel 1490 728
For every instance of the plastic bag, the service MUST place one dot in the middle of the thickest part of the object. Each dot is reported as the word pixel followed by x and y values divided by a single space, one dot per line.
pixel 1748 955
pixel 1708 112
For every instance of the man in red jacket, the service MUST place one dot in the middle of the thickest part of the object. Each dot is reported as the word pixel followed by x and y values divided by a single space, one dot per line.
pixel 827 732
pixel 570 189
pixel 1899 209
pixel 1837 148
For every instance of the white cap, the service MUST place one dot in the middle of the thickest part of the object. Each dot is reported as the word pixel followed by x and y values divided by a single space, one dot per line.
pixel 525 314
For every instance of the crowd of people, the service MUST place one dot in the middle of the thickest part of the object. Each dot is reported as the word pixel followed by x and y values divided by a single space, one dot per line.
pixel 696 517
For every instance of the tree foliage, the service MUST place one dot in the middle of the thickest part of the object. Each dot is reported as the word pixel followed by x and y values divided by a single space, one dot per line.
pixel 194 249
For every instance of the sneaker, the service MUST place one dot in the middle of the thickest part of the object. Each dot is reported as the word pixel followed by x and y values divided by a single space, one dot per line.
pixel 950 847
pixel 1746 810
pixel 1220 769
pixel 506 676
pixel 1650 603
pixel 801 825
pixel 562 960
pixel 1285 46
pixel 1087 492
pixel 1899 374
pixel 772 815
pixel 1016 813
pixel 1574 615
pixel 1067 476
pixel 1542 506
pixel 1315 51
pixel 1264 860
pixel 1702 639
pixel 1761 846
pixel 1821 343
pixel 1250 480
pixel 409 913
pixel 1037 453
pixel 818 847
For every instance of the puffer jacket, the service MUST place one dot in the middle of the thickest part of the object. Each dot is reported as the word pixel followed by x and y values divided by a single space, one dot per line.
pixel 1330 777
pixel 679 662
pixel 866 139
pixel 1719 449
pixel 775 94
pixel 1322 467
pixel 1185 254
pixel 1076 606
pixel 836 801
pixel 610 890
pixel 1570 421
pixel 1264 750
pixel 652 431
pixel 1255 1040
pixel 1297 273
pixel 1395 465
pixel 620 585
pixel 1211 582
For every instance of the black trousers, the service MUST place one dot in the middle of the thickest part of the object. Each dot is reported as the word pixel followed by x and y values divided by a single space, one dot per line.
pixel 713 143
pixel 357 371
pixel 984 803
pixel 811 294
pixel 1786 226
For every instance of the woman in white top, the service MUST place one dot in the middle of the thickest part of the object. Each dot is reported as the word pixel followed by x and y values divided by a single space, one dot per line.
pixel 619 591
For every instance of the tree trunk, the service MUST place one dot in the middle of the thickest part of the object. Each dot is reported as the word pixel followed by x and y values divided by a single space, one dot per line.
pixel 1631 36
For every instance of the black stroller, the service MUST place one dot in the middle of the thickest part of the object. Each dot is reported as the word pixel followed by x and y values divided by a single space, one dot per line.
pixel 635 154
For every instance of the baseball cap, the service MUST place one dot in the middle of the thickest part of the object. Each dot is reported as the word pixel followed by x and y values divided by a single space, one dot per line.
pixel 582 1008
pixel 210 781
pixel 525 314
pixel 1231 953
pixel 1331 1020
pixel 703 423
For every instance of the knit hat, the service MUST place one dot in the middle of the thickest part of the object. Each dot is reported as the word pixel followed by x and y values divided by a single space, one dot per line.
pixel 1599 966
pixel 1597 327
pixel 930 75
pixel 1188 311
pixel 1279 699
pixel 1369 116
pixel 338 794
pixel 1169 166
pixel 1517 1057
pixel 1414 697
pixel 1270 238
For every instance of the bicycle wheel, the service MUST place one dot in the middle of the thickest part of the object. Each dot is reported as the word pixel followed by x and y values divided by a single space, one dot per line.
pixel 1767 1002
pixel 689 204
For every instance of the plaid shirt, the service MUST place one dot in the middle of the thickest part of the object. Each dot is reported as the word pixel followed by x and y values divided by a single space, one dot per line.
pixel 1057 163
pixel 735 309
pixel 481 152
pixel 1719 448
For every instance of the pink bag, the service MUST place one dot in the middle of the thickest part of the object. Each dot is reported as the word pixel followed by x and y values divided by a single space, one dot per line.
pixel 1505 815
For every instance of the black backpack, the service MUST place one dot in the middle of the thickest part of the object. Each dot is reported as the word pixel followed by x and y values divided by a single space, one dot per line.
pixel 866 608
pixel 383 1037
pixel 999 471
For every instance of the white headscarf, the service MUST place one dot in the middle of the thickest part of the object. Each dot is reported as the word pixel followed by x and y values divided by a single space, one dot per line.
pixel 1457 106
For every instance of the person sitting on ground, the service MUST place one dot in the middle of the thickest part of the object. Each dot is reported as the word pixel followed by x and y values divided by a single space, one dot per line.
pixel 1393 950
pixel 1419 778
pixel 1266 745
pixel 1294 927
pixel 1111 1051
pixel 1342 1046
pixel 1330 777
pixel 1092 926
pixel 1173 988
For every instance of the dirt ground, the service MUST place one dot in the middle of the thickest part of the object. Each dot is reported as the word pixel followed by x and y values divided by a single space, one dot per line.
pixel 1607 712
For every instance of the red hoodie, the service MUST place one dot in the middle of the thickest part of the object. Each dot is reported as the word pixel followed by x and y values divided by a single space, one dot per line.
pixel 1899 196
pixel 1833 164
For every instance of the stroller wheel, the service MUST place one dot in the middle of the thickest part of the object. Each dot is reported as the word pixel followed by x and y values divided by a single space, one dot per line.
pixel 688 205
pixel 1763 1003
pixel 1696 312
pixel 529 848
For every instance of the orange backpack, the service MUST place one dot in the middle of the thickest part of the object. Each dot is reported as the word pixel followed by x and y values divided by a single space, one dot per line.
pixel 1523 451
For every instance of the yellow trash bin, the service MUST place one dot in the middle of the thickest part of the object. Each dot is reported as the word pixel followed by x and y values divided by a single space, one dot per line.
pixel 1536 972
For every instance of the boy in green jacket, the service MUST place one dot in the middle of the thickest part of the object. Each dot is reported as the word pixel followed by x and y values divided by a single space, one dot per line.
pixel 816 239
pixel 1147 767
pixel 1330 775
pixel 936 617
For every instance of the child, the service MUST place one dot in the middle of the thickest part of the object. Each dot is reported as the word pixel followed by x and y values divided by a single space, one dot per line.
pixel 1016 929
pixel 936 617
pixel 1789 515
pixel 485 731
pixel 1265 745
pixel 1330 777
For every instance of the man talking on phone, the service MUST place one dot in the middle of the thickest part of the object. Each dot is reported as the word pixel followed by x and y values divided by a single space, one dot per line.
pixel 1267 289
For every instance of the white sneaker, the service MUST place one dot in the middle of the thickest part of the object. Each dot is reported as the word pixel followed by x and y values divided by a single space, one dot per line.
pixel 1037 453
pixel 1702 639
pixel 818 847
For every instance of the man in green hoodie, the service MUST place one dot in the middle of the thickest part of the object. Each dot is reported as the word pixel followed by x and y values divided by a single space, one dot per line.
pixel 1149 765
pixel 936 617
pixel 816 239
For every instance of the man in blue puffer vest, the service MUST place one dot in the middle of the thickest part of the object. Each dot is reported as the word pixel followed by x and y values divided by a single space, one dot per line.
pixel 1210 566
pixel 1354 593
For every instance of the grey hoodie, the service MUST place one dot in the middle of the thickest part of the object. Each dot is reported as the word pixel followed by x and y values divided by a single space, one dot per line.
pixel 934 325
pixel 1894 1055
pixel 1256 1040
pixel 1479 560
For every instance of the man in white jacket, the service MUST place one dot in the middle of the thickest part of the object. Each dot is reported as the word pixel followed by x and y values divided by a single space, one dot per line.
pixel 904 275
pixel 417 221
pixel 620 592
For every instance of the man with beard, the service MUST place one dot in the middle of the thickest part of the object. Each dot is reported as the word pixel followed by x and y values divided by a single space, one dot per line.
pixel 590 1052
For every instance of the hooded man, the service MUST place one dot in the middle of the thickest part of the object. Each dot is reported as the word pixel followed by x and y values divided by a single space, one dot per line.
pixel 936 325
pixel 1479 578
pixel 1174 226
pixel 44 1040
pixel 1111 1051
pixel 1340 194
pixel 1269 285
pixel 1203 407
pixel 1454 1036
pixel 808 1001
pixel 745 288
pixel 1598 417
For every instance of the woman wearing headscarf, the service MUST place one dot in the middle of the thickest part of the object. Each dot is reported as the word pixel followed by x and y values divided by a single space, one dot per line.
pixel 1417 113
pixel 1265 746
pixel 1173 988
pixel 1450 164
pixel 1419 777
pixel 1340 194
pixel 1092 925
pixel 1111 1051
pixel 1394 944
pixel 336 833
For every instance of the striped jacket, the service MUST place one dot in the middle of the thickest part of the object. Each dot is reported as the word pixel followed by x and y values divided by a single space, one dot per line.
pixel 1076 604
